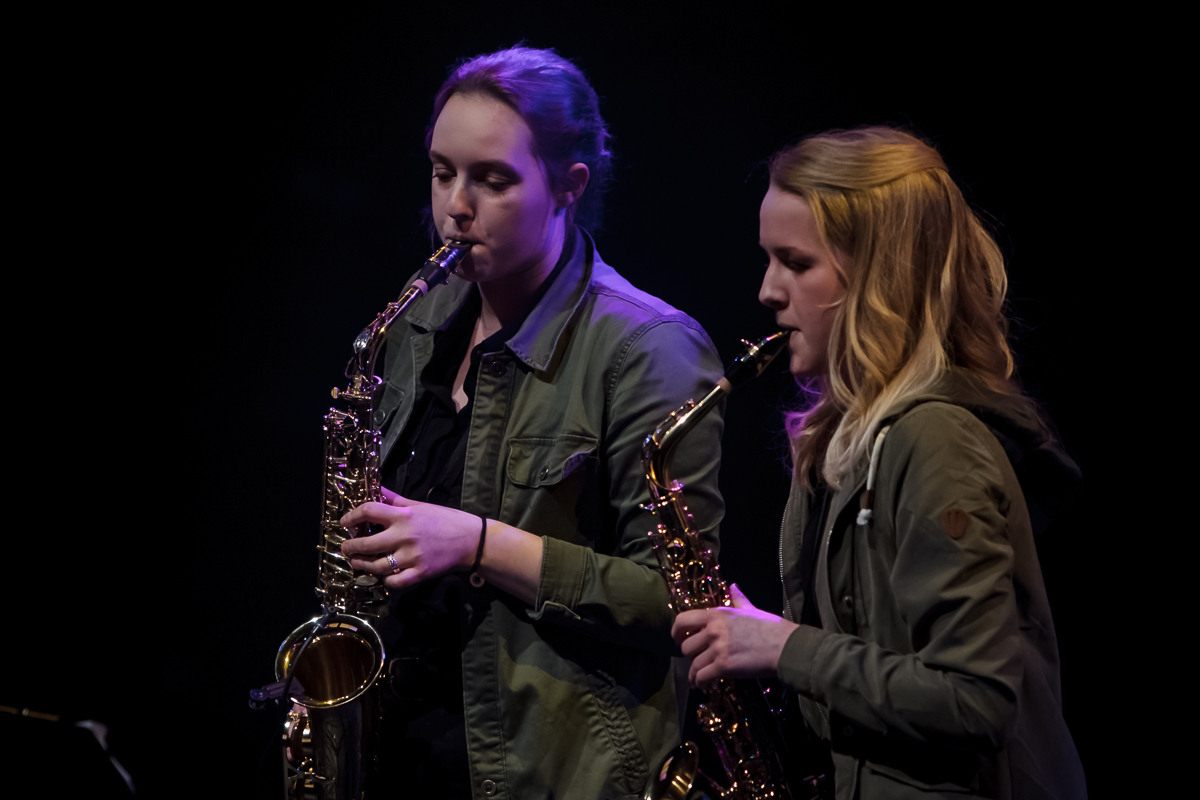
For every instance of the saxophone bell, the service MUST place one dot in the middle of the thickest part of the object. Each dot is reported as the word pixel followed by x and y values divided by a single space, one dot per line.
pixel 343 655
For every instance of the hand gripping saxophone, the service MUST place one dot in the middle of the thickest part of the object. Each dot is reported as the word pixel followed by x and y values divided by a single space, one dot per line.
pixel 329 665
pixel 736 715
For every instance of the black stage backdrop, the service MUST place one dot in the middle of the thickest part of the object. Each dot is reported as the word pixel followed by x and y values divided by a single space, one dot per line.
pixel 256 184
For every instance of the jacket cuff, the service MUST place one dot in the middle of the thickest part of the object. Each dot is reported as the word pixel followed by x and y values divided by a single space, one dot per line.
pixel 561 581
pixel 795 666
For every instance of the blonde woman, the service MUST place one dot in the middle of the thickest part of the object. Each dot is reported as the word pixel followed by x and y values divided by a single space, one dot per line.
pixel 917 633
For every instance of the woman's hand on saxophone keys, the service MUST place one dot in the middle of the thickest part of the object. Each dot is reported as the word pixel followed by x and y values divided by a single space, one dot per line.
pixel 419 540
pixel 731 642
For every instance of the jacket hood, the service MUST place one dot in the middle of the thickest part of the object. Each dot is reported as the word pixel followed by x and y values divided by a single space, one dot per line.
pixel 1050 479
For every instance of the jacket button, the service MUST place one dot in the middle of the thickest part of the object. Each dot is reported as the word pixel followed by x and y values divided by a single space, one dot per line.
pixel 489 788
pixel 497 368
pixel 849 731
pixel 848 601
pixel 545 473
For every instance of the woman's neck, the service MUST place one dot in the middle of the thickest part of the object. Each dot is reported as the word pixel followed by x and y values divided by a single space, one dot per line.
pixel 507 299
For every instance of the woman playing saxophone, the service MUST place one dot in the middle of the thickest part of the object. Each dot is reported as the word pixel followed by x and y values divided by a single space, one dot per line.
pixel 529 627
pixel 917 633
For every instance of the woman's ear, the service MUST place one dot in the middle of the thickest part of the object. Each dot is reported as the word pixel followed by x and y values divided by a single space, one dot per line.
pixel 576 181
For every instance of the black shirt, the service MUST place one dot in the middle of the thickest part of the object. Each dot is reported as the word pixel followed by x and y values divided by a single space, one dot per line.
pixel 424 742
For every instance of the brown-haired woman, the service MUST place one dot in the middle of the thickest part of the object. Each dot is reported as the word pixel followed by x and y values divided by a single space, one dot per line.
pixel 515 403
pixel 917 632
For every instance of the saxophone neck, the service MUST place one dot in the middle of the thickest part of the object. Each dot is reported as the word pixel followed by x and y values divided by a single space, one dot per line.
pixel 660 445
pixel 436 269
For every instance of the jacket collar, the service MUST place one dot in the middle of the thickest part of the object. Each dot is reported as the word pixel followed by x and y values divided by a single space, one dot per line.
pixel 536 341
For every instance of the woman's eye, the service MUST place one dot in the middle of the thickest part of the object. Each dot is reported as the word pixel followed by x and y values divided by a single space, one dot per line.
pixel 798 266
pixel 443 177
pixel 497 184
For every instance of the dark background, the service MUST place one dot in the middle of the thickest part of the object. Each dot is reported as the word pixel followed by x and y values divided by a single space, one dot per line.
pixel 255 183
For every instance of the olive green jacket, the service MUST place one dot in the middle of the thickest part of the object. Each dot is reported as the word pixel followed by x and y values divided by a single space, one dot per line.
pixel 579 696
pixel 938 675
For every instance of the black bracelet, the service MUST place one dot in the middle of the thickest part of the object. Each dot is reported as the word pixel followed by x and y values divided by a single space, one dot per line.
pixel 476 579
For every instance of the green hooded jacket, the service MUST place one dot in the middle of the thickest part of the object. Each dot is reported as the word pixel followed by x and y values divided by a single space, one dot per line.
pixel 935 672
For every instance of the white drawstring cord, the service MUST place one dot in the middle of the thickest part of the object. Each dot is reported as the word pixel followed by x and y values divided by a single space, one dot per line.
pixel 868 497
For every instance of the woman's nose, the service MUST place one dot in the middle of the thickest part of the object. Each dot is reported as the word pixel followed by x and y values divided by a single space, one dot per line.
pixel 771 293
pixel 458 204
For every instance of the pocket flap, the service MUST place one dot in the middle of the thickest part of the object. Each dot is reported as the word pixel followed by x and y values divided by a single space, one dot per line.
pixel 544 461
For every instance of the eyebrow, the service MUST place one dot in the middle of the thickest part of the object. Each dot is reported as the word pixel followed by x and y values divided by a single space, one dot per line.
pixel 791 252
pixel 494 164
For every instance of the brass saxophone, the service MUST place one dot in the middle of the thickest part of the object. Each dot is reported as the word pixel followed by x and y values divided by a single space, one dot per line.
pixel 736 715
pixel 328 667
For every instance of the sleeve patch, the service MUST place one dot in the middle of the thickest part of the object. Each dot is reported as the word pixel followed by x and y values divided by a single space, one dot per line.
pixel 954 520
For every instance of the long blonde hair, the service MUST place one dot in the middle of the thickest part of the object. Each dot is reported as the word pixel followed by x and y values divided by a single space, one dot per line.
pixel 925 286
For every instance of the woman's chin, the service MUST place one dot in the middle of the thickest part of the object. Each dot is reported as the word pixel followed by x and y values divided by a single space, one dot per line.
pixel 805 368
pixel 470 270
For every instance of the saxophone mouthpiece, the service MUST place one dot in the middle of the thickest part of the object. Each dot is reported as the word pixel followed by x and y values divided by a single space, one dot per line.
pixel 751 363
pixel 442 264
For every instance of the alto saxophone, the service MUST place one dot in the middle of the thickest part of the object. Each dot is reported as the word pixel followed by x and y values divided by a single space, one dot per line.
pixel 736 715
pixel 328 667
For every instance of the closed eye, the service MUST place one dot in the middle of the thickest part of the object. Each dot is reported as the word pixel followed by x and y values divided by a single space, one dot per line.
pixel 793 259
pixel 496 184
pixel 793 265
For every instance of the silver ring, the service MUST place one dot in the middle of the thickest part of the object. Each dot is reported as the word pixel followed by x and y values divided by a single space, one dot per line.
pixel 395 566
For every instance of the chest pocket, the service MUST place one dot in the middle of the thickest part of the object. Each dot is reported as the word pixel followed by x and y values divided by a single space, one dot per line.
pixel 553 488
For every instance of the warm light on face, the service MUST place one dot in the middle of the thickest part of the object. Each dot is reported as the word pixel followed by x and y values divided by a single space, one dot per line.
pixel 802 284
pixel 490 190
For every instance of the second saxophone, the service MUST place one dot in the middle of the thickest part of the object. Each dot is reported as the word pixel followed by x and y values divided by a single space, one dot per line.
pixel 735 714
